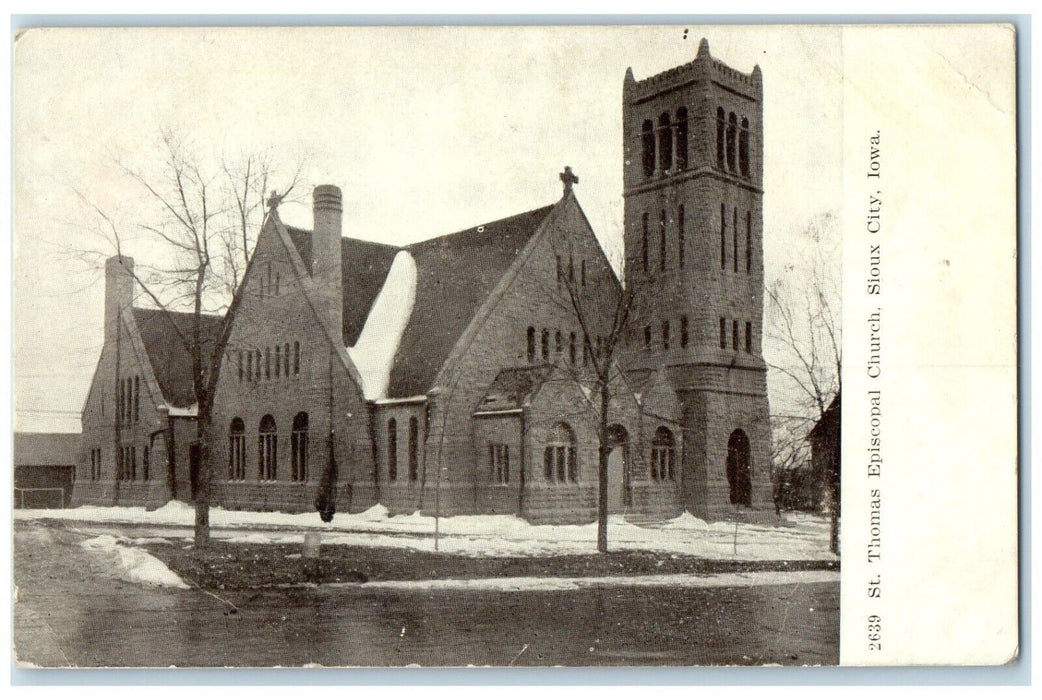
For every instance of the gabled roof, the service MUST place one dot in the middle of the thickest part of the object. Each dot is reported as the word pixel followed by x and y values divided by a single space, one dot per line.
pixel 512 388
pixel 365 265
pixel 45 449
pixel 161 333
pixel 829 421
pixel 455 275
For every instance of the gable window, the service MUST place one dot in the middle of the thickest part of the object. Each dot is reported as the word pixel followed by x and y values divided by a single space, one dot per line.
pixel 237 450
pixel 665 335
pixel 571 348
pixel 296 357
pixel 647 337
pixel 267 362
pixel 559 457
pixel 299 447
pixel 748 336
pixel 267 449
pixel 530 347
pixel 241 368
pixel 734 335
pixel 545 342
pixel 285 359
pixel 557 342
pixel 392 450
pixel 723 238
pixel 499 461
pixel 723 333
pixel 278 360
pixel 582 273
pixel 414 449
pixel 663 456
pixel 683 331
pixel 560 271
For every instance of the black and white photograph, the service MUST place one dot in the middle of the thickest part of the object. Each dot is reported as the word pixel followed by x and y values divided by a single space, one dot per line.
pixel 486 346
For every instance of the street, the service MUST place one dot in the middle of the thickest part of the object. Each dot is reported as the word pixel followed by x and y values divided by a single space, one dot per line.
pixel 70 612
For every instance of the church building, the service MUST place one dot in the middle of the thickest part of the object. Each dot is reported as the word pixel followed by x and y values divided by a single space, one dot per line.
pixel 454 375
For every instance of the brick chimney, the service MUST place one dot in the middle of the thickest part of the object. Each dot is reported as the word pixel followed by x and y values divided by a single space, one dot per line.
pixel 326 270
pixel 119 292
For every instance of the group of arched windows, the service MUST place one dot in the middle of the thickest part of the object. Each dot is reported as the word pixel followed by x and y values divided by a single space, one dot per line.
pixel 664 144
pixel 735 236
pixel 663 455
pixel 663 235
pixel 736 334
pixel 552 343
pixel 413 438
pixel 272 362
pixel 732 143
pixel 270 281
pixel 560 463
pixel 680 331
pixel 128 400
pixel 268 449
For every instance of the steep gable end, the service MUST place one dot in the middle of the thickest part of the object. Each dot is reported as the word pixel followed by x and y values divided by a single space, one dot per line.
pixel 455 275
pixel 161 333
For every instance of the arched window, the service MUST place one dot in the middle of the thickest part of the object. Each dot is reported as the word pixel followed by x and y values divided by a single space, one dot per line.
pixel 734 230
pixel 748 241
pixel 648 148
pixel 559 459
pixel 681 127
pixel 531 345
pixel 665 143
pixel 739 476
pixel 545 343
pixel 734 334
pixel 723 238
pixel 732 141
pixel 663 455
pixel 571 348
pixel 680 237
pixel 237 450
pixel 299 447
pixel 267 362
pixel 665 335
pixel 267 450
pixel 285 359
pixel 296 357
pixel 743 148
pixel 721 126
pixel 137 398
pixel 644 241
pixel 278 361
pixel 683 331
pixel 392 450
pixel 558 343
pixel 414 449
pixel 241 368
pixel 662 240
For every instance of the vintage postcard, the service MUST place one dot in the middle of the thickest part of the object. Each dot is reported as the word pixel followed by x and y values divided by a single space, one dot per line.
pixel 515 346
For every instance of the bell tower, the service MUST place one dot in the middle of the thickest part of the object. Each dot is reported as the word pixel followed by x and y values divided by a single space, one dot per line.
pixel 693 192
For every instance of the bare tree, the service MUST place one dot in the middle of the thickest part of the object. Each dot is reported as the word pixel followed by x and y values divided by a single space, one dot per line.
pixel 805 351
pixel 200 217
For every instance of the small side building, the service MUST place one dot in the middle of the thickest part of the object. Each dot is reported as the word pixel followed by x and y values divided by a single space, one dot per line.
pixel 44 469
pixel 824 455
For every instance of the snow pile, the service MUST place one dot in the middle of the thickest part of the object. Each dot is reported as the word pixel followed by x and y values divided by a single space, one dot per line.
pixel 377 344
pixel 795 537
pixel 134 565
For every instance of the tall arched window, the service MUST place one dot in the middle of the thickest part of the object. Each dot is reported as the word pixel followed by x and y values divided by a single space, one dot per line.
pixel 278 361
pixel 285 359
pixel 732 142
pixel 680 237
pixel 743 148
pixel 681 127
pixel 414 449
pixel 237 450
pixel 723 238
pixel 683 331
pixel 530 345
pixel 392 450
pixel 663 455
pixel 662 240
pixel 734 229
pixel 559 458
pixel 267 450
pixel 296 357
pixel 648 148
pixel 571 348
pixel 545 344
pixel 299 447
pixel 665 143
pixel 665 335
pixel 721 126
pixel 748 241
pixel 644 241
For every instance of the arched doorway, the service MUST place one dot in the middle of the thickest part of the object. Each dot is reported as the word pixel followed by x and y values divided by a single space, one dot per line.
pixel 618 471
pixel 738 469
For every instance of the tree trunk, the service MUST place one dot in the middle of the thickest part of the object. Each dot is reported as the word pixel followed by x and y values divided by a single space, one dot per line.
pixel 204 480
pixel 602 474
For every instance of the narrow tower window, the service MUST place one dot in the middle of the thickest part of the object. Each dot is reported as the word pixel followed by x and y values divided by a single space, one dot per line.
pixel 680 237
pixel 681 127
pixel 644 241
pixel 748 241
pixel 648 148
pixel 683 331
pixel 723 238
pixel 530 354
pixel 743 148
pixel 720 127
pixel 662 241
pixel 723 333
pixel 734 335
pixel 748 337
pixel 665 335
pixel 734 229
pixel 732 139
pixel 665 143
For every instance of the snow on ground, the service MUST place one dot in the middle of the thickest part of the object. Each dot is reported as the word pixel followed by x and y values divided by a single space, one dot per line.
pixel 549 583
pixel 133 564
pixel 798 537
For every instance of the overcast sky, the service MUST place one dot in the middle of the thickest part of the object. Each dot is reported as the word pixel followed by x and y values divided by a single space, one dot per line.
pixel 427 131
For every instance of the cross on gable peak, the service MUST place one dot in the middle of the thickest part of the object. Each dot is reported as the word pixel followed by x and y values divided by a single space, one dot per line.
pixel 568 178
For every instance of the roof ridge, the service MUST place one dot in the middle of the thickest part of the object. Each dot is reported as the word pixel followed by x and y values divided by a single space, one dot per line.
pixel 470 229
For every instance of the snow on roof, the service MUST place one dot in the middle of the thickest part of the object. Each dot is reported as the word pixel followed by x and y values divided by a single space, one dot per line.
pixel 381 335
